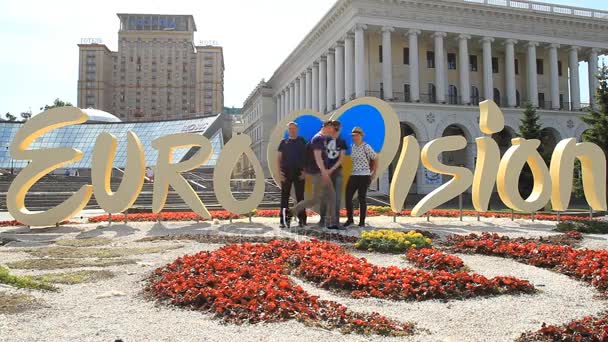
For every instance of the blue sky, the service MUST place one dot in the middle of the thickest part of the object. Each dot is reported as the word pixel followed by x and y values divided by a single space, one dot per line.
pixel 39 59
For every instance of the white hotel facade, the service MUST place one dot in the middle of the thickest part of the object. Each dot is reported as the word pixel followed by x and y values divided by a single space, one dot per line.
pixel 434 61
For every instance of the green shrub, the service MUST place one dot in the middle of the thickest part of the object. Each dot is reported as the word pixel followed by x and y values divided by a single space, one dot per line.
pixel 587 227
pixel 23 282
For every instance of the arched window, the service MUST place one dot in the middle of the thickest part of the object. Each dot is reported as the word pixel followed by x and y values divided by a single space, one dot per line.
pixel 452 94
pixel 474 95
pixel 497 96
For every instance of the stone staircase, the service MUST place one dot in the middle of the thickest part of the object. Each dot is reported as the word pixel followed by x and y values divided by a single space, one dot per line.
pixel 54 189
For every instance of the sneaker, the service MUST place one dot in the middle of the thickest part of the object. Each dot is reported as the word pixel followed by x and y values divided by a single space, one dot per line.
pixel 348 223
pixel 282 226
pixel 362 225
pixel 288 217
pixel 333 228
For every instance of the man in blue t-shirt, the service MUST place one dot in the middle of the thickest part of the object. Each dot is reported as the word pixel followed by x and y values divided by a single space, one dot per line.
pixel 336 151
pixel 291 165
pixel 316 167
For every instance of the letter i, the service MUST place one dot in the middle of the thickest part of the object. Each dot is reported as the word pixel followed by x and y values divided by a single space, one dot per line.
pixel 491 120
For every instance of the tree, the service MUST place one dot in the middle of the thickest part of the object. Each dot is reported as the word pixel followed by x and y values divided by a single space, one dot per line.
pixel 530 128
pixel 26 115
pixel 597 118
pixel 10 117
pixel 56 103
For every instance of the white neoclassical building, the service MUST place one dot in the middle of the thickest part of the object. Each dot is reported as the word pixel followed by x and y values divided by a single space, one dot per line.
pixel 435 60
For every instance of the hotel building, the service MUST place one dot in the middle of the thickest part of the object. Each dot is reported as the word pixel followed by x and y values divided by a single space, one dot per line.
pixel 434 61
pixel 158 73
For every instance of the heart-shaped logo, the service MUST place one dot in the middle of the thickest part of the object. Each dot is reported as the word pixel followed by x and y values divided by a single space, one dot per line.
pixel 375 117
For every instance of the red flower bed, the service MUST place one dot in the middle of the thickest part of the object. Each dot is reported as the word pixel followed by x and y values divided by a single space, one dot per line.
pixel 372 211
pixel 592 329
pixel 249 283
pixel 165 216
pixel 583 264
pixel 433 259
pixel 14 223
pixel 456 213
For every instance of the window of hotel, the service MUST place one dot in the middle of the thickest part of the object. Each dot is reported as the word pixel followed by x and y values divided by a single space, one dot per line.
pixel 517 98
pixel 561 101
pixel 516 66
pixel 380 53
pixel 495 65
pixel 473 62
pixel 451 61
pixel 540 67
pixel 559 68
pixel 430 59
pixel 407 94
pixel 406 56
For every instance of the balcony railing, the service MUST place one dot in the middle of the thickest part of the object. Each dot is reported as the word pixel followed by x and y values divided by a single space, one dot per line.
pixel 458 100
pixel 542 7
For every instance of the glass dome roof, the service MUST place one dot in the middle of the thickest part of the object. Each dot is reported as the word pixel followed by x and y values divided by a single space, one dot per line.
pixel 96 115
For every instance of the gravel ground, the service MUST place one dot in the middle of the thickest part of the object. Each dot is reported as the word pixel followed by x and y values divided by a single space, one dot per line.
pixel 115 308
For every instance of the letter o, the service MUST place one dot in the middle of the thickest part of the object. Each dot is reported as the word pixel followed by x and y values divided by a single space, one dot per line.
pixel 231 153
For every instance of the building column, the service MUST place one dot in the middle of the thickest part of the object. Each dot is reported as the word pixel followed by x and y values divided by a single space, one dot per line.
pixel 440 67
pixel 315 86
pixel 290 99
pixel 488 76
pixel 296 94
pixel 284 104
pixel 339 74
pixel 593 81
pixel 349 67
pixel 414 65
pixel 323 85
pixel 575 87
pixel 278 114
pixel 360 77
pixel 309 88
pixel 463 69
pixel 331 80
pixel 510 83
pixel 387 62
pixel 532 75
pixel 554 76
pixel 303 91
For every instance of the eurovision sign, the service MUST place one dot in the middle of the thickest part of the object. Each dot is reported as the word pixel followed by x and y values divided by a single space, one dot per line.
pixel 377 118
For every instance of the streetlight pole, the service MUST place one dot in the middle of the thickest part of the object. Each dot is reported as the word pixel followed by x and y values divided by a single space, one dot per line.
pixel 12 165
